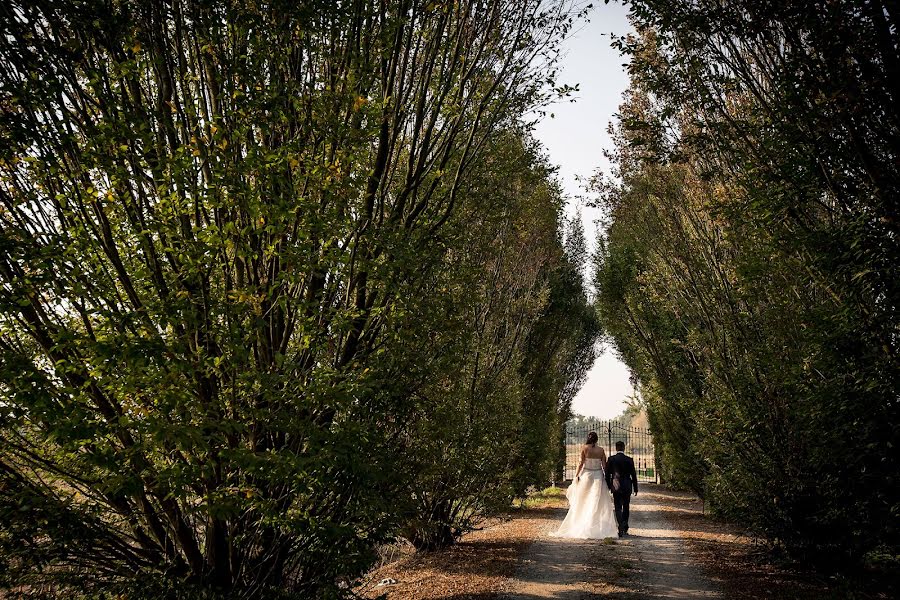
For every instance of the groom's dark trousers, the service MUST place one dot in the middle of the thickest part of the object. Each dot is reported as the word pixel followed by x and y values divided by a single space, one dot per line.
pixel 622 503
pixel 621 478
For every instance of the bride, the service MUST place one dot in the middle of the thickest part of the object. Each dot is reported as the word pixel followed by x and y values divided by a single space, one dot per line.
pixel 591 512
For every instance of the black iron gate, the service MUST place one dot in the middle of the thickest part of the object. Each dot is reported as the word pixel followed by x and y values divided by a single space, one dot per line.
pixel 638 444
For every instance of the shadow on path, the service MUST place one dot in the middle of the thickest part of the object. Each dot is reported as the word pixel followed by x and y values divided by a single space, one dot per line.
pixel 652 562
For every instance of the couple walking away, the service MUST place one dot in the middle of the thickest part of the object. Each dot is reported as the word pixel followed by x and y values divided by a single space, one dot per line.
pixel 592 513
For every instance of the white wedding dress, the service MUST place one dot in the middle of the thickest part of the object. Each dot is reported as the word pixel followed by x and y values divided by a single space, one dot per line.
pixel 591 514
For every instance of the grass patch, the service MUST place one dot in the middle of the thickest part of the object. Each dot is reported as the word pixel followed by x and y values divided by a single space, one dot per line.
pixel 550 497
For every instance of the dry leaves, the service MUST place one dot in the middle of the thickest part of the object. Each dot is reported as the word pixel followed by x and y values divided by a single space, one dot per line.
pixel 478 567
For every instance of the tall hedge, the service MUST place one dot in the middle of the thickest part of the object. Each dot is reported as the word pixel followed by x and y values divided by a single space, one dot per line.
pixel 748 274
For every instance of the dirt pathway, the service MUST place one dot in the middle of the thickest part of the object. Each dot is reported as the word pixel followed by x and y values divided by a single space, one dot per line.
pixel 653 562
pixel 675 551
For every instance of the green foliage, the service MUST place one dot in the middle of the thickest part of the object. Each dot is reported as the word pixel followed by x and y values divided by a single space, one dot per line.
pixel 502 352
pixel 551 497
pixel 747 276
pixel 224 228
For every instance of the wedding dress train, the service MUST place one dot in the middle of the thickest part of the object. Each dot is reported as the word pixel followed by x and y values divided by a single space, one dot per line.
pixel 591 514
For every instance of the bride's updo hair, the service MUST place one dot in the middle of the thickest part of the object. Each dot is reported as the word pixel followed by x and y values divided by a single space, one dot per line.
pixel 592 438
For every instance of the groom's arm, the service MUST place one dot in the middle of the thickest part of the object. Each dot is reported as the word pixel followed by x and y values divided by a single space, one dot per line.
pixel 609 473
pixel 634 478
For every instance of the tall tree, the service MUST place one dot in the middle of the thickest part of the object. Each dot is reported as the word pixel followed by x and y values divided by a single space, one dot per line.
pixel 747 276
pixel 485 424
pixel 210 214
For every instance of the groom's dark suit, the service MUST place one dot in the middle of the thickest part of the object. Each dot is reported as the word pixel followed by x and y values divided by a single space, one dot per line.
pixel 621 478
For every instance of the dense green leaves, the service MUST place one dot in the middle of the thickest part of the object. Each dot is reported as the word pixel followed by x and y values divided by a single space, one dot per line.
pixel 236 242
pixel 496 384
pixel 748 274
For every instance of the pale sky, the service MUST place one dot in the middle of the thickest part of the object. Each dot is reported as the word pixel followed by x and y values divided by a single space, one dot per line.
pixel 575 139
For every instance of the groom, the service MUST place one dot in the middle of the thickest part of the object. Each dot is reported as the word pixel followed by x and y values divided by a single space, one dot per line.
pixel 621 479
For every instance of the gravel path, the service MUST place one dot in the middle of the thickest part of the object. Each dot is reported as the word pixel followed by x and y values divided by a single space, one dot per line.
pixel 653 562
